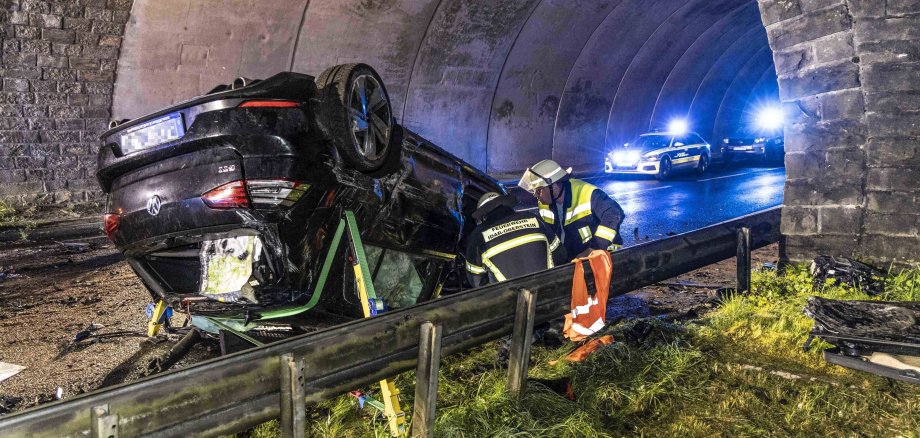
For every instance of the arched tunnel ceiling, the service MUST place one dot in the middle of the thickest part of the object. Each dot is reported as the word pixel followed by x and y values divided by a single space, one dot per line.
pixel 501 83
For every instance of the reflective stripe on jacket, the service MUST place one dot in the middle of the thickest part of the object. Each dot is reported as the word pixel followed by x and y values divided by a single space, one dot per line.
pixel 514 245
pixel 592 219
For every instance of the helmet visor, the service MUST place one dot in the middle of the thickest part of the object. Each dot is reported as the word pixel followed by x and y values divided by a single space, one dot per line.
pixel 531 181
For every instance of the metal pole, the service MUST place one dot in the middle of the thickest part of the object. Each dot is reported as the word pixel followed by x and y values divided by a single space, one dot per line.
pixel 104 425
pixel 743 257
pixel 293 394
pixel 426 380
pixel 520 342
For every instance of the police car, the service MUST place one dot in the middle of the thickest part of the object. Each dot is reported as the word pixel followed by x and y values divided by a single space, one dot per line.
pixel 660 154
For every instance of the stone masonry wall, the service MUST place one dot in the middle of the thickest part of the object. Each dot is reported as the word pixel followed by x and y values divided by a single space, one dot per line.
pixel 57 66
pixel 849 77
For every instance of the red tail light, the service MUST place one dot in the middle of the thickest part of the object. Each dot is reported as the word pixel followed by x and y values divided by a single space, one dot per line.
pixel 269 104
pixel 258 193
pixel 230 195
pixel 110 223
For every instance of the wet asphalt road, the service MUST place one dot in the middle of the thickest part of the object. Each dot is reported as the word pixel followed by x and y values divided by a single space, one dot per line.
pixel 688 201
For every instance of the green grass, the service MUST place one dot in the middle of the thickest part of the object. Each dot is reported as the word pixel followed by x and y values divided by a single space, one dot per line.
pixel 7 213
pixel 738 371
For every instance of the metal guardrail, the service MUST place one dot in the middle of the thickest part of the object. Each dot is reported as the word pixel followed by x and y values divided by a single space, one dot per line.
pixel 235 392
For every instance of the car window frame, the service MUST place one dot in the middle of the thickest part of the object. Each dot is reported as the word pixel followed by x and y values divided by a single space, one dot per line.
pixel 429 284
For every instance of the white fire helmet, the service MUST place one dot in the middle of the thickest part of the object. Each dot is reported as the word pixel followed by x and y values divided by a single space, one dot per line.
pixel 543 174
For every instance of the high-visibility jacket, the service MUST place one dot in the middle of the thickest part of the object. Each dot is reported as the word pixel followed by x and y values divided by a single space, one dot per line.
pixel 589 218
pixel 588 314
pixel 511 246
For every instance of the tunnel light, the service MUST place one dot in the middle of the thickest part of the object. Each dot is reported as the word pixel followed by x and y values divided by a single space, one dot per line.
pixel 678 127
pixel 770 119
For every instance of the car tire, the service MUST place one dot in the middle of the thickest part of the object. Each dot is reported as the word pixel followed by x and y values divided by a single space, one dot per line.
pixel 356 114
pixel 664 168
pixel 703 165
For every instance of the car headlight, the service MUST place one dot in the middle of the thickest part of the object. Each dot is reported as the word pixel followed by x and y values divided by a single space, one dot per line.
pixel 725 140
pixel 625 158
pixel 759 140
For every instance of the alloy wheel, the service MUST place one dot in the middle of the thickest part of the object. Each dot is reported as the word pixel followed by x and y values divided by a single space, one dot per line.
pixel 371 119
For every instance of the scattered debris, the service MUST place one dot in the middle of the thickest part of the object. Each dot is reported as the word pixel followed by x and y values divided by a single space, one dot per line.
pixel 75 247
pixel 844 270
pixel 880 337
pixel 8 274
pixel 9 404
pixel 8 370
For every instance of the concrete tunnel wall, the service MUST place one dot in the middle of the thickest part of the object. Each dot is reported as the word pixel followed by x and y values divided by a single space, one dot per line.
pixel 502 84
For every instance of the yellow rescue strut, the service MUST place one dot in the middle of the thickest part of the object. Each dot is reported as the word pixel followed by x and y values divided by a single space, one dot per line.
pixel 370 305
pixel 156 319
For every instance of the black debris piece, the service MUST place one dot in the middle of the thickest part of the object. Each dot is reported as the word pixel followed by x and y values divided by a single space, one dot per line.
pixel 844 270
pixel 879 337
pixel 888 326
pixel 9 404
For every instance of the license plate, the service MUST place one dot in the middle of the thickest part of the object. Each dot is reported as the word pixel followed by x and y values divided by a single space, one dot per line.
pixel 155 132
pixel 743 148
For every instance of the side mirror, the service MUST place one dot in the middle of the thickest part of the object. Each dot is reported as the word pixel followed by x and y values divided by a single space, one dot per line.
pixel 678 144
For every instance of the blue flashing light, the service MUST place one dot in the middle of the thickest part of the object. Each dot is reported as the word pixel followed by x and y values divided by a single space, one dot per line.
pixel 770 118
pixel 678 127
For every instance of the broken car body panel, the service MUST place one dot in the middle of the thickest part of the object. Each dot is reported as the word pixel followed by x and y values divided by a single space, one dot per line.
pixel 875 336
pixel 295 187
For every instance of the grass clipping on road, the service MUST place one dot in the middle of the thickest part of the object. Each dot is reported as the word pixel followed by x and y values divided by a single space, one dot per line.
pixel 738 371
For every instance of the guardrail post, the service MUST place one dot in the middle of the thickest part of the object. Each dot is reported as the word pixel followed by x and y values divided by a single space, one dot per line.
pixel 743 257
pixel 520 342
pixel 426 380
pixel 103 424
pixel 293 395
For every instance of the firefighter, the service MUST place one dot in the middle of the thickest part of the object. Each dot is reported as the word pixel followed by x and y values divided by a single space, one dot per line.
pixel 582 215
pixel 507 244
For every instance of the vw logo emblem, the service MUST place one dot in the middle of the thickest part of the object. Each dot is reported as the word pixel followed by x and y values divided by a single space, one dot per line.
pixel 153 205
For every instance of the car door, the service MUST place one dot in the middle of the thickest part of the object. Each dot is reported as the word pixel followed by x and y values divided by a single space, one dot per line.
pixel 700 147
pixel 682 155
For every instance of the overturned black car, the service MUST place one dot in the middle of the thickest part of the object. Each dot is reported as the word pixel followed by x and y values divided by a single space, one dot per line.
pixel 226 204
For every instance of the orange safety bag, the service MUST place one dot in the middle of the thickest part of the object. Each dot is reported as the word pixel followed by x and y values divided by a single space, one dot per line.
pixel 589 311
